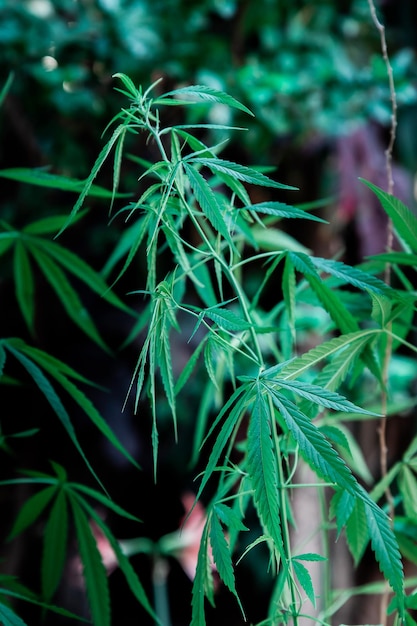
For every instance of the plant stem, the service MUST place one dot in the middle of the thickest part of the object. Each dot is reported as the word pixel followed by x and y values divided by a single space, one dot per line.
pixel 327 578
pixel 390 235
pixel 230 276
pixel 284 518
pixel 160 571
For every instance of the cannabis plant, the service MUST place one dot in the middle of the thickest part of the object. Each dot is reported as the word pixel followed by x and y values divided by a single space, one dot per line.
pixel 259 401
pixel 225 282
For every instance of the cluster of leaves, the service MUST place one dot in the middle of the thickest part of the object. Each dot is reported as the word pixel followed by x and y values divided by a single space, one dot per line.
pixel 262 406
pixel 27 255
pixel 73 504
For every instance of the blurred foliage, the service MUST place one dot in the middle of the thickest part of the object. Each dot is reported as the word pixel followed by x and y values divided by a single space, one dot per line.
pixel 305 69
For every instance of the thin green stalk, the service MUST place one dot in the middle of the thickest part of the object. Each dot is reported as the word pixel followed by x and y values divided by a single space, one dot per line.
pixel 230 276
pixel 160 571
pixel 242 300
pixel 327 579
pixel 155 134
pixel 284 517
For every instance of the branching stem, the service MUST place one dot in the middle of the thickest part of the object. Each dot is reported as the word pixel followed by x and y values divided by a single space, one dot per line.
pixel 231 278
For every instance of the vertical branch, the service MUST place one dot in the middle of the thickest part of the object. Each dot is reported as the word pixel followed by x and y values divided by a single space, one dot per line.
pixel 390 181
pixel 390 235
pixel 393 98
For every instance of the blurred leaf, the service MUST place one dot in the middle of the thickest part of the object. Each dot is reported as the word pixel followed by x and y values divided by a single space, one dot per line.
pixel 49 225
pixel 102 499
pixel 24 284
pixel 381 309
pixel 310 557
pixel 68 297
pixel 9 617
pixel 54 546
pixel 32 509
pixel 6 87
pixel 408 485
pixel 76 266
pixel 93 569
pixel 405 223
pixel 274 239
pixel 129 573
pixel 61 373
pixel 336 435
pixel 352 451
pixel 26 596
pixel 2 359
pixel 402 258
pixel 43 178
pixel 50 394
